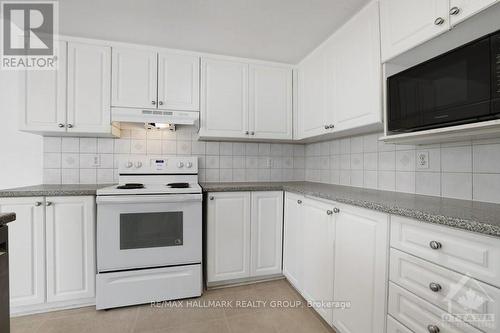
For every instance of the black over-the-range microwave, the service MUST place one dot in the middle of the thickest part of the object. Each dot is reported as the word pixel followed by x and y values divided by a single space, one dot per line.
pixel 459 87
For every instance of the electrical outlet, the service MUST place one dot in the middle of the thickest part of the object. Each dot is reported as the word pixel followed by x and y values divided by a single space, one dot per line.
pixel 96 161
pixel 423 160
pixel 268 163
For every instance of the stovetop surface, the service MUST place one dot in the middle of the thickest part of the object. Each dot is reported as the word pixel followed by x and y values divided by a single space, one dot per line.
pixel 150 189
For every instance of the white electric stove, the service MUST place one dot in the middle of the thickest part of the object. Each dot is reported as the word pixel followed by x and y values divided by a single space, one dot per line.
pixel 149 233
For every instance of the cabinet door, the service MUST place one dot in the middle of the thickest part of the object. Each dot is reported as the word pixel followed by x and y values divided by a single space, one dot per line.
pixel 224 99
pixel 134 75
pixel 293 242
pixel 26 251
pixel 70 245
pixel 228 236
pixel 356 81
pixel 361 257
pixel 178 82
pixel 463 9
pixel 317 265
pixel 408 23
pixel 270 102
pixel 266 233
pixel 312 84
pixel 44 97
pixel 89 88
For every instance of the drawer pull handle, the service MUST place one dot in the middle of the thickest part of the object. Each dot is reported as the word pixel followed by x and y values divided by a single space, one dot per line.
pixel 435 245
pixel 299 202
pixel 435 287
pixel 433 329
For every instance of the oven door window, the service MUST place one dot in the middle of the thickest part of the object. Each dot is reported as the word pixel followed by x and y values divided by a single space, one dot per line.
pixel 149 230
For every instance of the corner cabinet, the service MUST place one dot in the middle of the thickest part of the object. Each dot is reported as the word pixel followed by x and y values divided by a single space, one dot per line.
pixel 75 98
pixel 52 252
pixel 245 101
pixel 244 235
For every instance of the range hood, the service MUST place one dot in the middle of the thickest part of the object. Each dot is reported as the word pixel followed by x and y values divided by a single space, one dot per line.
pixel 133 115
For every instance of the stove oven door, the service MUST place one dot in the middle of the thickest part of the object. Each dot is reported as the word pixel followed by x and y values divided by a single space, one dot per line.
pixel 142 231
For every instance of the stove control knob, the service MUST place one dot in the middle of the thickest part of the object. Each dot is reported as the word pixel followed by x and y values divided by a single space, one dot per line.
pixel 189 165
pixel 129 164
pixel 180 165
pixel 138 165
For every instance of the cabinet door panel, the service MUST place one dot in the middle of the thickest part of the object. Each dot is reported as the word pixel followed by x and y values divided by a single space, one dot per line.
pixel 70 248
pixel 408 23
pixel 361 256
pixel 26 251
pixel 266 233
pixel 134 78
pixel 44 97
pixel 178 82
pixel 293 242
pixel 271 102
pixel 318 258
pixel 468 8
pixel 228 236
pixel 224 99
pixel 89 88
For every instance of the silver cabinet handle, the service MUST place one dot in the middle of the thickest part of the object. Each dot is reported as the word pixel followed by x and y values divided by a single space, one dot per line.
pixel 336 210
pixel 252 133
pixel 60 125
pixel 439 21
pixel 454 10
pixel 153 102
pixel 247 132
pixel 212 198
pixel 38 204
pixel 299 202
pixel 329 212
pixel 331 126
pixel 435 287
pixel 70 125
pixel 160 102
pixel 327 126
pixel 435 245
pixel 433 329
pixel 48 203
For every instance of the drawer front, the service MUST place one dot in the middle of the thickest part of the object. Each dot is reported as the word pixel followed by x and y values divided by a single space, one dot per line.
pixel 394 326
pixel 416 314
pixel 455 293
pixel 468 253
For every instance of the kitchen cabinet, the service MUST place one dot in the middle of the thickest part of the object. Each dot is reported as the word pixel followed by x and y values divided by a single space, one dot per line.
pixel 407 23
pixel 292 239
pixel 70 239
pixel 89 88
pixel 143 78
pixel 266 233
pixel 243 235
pixel 75 98
pixel 26 251
pixel 463 9
pixel 361 259
pixel 52 252
pixel 241 100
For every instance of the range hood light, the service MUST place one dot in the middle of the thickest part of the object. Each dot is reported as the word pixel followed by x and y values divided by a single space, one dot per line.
pixel 159 126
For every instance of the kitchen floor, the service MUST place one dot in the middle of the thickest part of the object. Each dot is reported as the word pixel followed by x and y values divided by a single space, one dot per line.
pixel 246 313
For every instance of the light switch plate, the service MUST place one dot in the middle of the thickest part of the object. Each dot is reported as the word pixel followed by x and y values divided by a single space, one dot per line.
pixel 423 160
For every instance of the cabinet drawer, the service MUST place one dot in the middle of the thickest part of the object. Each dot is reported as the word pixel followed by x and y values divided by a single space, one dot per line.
pixel 394 326
pixel 416 314
pixel 472 254
pixel 456 291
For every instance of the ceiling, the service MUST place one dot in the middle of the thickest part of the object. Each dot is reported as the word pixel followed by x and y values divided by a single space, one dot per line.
pixel 276 30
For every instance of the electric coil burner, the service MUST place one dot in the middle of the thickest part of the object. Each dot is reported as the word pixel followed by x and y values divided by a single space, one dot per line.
pixel 149 234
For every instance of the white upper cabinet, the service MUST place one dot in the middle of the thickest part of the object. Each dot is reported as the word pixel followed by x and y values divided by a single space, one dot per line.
pixel 178 82
pixel 89 88
pixel 224 99
pixel 463 9
pixel 270 101
pixel 408 23
pixel 44 97
pixel 134 80
pixel 356 69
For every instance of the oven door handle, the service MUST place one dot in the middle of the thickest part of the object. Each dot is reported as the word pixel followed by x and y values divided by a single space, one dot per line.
pixel 122 199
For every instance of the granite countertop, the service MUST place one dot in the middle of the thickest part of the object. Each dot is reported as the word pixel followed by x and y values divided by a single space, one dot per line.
pixel 472 216
pixel 45 190
pixel 6 218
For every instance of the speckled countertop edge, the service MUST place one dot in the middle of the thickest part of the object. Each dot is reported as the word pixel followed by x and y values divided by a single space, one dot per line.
pixel 478 224
pixel 6 218
pixel 46 190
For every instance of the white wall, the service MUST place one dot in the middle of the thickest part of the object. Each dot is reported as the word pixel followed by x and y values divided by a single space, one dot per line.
pixel 20 153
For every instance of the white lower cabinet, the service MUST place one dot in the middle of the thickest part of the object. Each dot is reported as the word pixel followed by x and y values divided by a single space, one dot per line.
pixel 292 239
pixel 51 252
pixel 244 235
